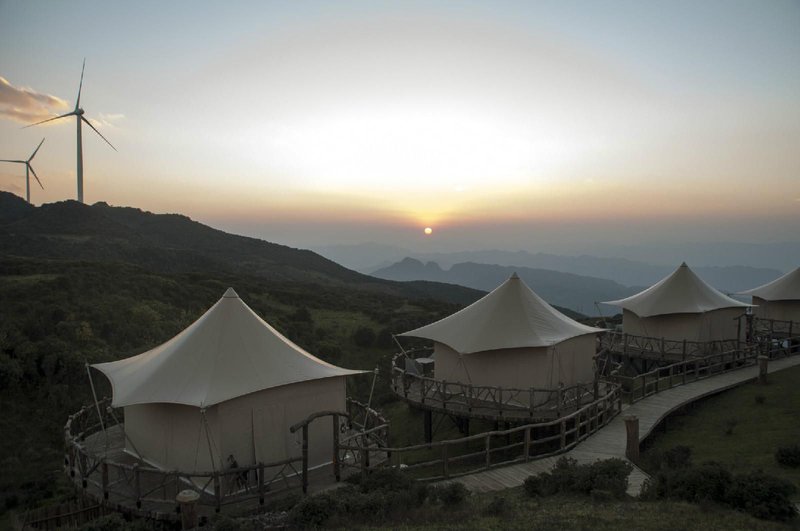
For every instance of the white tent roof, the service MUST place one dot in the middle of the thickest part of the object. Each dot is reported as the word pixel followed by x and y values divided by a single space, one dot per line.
pixel 228 352
pixel 785 288
pixel 680 292
pixel 511 316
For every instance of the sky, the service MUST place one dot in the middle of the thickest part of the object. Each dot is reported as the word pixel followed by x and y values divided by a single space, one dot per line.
pixel 511 125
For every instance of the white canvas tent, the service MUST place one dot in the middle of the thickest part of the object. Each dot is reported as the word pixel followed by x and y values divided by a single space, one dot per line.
pixel 681 306
pixel 511 338
pixel 229 384
pixel 779 299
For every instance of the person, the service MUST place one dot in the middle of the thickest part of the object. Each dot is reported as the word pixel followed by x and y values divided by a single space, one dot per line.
pixel 241 477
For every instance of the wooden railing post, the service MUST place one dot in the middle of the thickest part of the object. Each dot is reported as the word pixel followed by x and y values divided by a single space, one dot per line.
pixel 187 503
pixel 445 472
pixel 104 476
pixel 336 470
pixel 683 350
pixel 632 442
pixel 217 492
pixel 261 483
pixel 563 427
pixel 488 447
pixel 305 458
pixel 444 394
pixel 763 363
pixel 364 463
pixel 527 445
pixel 137 485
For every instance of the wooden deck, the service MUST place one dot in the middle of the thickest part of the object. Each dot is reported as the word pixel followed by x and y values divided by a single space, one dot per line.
pixel 610 441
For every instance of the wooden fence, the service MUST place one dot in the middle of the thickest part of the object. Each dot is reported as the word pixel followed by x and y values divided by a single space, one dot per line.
pixel 497 403
pixel 455 457
pixel 659 347
pixel 68 515
pixel 152 490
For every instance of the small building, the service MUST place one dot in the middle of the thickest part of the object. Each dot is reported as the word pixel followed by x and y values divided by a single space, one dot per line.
pixel 779 299
pixel 228 385
pixel 681 306
pixel 511 338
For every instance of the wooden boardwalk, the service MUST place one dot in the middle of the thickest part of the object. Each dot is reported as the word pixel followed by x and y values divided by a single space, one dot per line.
pixel 610 441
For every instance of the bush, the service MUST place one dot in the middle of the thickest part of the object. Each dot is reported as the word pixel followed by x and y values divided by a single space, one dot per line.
pixel 676 457
pixel 451 494
pixel 313 511
pixel 708 481
pixel 762 496
pixel 364 337
pixel 788 456
pixel 497 507
pixel 567 476
pixel 540 485
pixel 760 399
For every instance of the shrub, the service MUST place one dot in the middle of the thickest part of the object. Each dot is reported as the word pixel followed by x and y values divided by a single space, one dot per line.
pixel 540 485
pixel 451 494
pixel 609 475
pixel 760 399
pixel 762 496
pixel 677 457
pixel 314 511
pixel 364 337
pixel 788 456
pixel 729 425
pixel 497 507
pixel 708 481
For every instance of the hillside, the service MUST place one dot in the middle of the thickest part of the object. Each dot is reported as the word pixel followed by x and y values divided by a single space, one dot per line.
pixel 171 243
pixel 575 292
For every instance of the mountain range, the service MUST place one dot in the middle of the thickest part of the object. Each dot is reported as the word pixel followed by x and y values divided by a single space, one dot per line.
pixel 576 292
pixel 726 276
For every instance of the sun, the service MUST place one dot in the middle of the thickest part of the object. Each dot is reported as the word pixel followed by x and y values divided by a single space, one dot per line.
pixel 428 231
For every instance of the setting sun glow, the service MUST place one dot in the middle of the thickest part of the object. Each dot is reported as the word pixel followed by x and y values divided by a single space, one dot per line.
pixel 428 231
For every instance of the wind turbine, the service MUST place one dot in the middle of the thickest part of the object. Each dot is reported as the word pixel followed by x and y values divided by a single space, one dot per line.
pixel 28 171
pixel 78 114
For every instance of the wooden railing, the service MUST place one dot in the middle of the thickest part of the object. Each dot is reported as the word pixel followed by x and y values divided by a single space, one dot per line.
pixel 125 485
pixel 634 388
pixel 487 401
pixel 451 458
pixel 632 345
pixel 774 328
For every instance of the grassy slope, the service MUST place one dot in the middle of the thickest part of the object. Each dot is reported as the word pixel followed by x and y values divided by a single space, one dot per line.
pixel 758 429
pixel 574 513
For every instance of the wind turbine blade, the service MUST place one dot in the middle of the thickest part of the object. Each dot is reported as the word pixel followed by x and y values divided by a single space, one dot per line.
pixel 51 119
pixel 34 174
pixel 78 101
pixel 98 132
pixel 36 150
pixel 6 160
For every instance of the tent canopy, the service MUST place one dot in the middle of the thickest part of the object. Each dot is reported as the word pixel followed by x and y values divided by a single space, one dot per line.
pixel 785 288
pixel 511 316
pixel 680 292
pixel 228 352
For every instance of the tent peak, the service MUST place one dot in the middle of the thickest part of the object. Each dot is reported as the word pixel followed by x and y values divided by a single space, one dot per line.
pixel 230 294
pixel 514 276
pixel 683 264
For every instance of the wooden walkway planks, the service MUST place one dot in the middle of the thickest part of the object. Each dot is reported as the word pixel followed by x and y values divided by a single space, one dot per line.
pixel 610 440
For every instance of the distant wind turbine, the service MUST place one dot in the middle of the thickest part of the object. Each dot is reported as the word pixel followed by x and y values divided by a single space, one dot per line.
pixel 28 171
pixel 78 114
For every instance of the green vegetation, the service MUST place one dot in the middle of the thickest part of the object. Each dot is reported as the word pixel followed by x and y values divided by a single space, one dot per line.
pixel 606 479
pixel 57 315
pixel 741 428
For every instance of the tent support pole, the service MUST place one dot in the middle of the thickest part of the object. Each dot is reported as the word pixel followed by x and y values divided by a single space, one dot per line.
pixel 96 404
pixel 125 433
pixel 208 438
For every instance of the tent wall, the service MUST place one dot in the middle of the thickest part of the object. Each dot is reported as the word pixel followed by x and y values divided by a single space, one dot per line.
pixel 780 310
pixel 172 436
pixel 252 428
pixel 568 362
pixel 709 326
pixel 255 427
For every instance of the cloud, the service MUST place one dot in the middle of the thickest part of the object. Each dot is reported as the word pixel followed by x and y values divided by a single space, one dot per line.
pixel 25 105
pixel 107 120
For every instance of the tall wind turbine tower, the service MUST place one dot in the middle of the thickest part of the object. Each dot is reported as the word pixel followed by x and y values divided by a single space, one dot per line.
pixel 78 114
pixel 28 171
